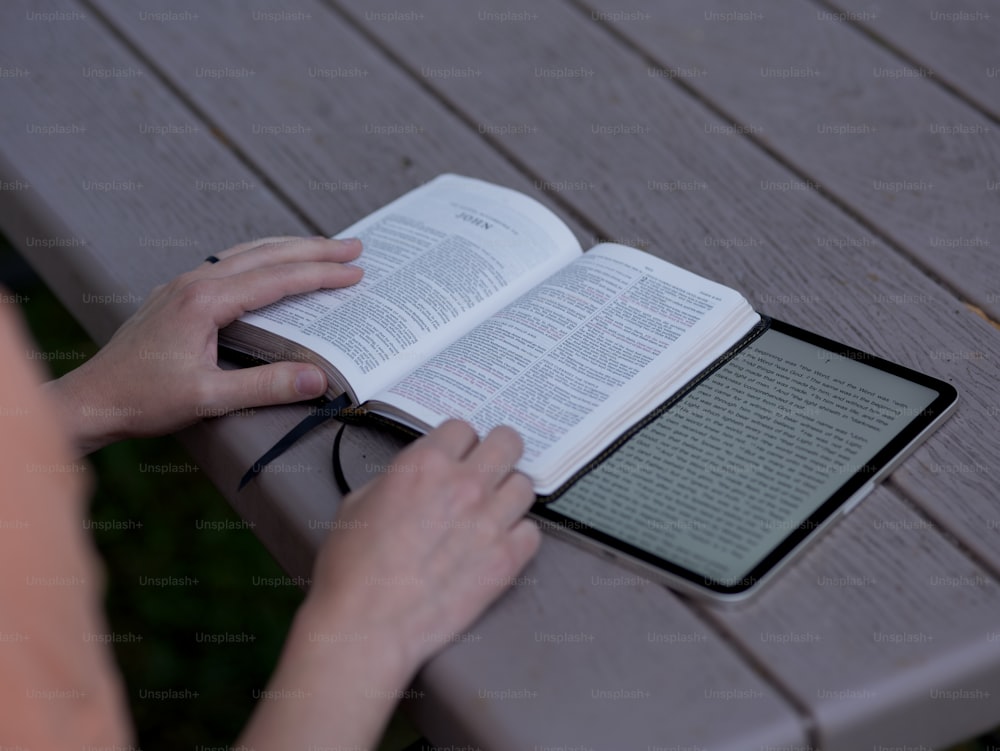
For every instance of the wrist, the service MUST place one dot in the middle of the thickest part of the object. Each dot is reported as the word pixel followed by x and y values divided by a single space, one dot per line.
pixel 88 420
pixel 329 630
pixel 334 680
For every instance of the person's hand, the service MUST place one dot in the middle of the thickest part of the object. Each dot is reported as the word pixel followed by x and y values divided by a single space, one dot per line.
pixel 415 556
pixel 413 559
pixel 159 372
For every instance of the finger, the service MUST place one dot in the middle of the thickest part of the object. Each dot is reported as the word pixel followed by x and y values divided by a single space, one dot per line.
pixel 227 298
pixel 277 383
pixel 511 500
pixel 243 247
pixel 294 250
pixel 215 258
pixel 274 250
pixel 455 438
pixel 517 548
pixel 495 457
pixel 524 540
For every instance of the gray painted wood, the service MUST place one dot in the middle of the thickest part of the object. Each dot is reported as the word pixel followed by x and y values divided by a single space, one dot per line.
pixel 957 44
pixel 902 152
pixel 906 660
pixel 882 629
pixel 793 254
pixel 832 294
pixel 101 176
pixel 292 502
pixel 584 619
pixel 578 624
pixel 842 291
pixel 335 126
pixel 91 245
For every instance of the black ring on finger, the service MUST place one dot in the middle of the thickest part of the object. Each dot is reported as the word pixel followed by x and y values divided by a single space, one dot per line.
pixel 212 259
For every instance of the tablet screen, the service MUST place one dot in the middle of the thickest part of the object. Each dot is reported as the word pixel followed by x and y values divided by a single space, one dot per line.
pixel 752 459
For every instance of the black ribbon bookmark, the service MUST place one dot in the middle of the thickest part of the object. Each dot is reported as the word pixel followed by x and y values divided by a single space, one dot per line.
pixel 322 413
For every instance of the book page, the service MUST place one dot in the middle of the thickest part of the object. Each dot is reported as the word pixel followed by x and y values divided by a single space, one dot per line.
pixel 569 362
pixel 436 261
pixel 747 457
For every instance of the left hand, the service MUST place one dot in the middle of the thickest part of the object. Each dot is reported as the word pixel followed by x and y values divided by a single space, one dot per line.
pixel 160 373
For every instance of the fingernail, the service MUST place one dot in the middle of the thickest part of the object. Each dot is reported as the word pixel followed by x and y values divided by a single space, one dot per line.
pixel 310 382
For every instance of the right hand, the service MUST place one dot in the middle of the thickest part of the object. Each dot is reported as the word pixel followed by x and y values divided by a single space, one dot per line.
pixel 419 553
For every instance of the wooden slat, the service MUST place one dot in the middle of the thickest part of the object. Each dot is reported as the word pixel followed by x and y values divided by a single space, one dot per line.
pixel 959 44
pixel 335 126
pixel 291 503
pixel 903 153
pixel 886 632
pixel 578 623
pixel 64 118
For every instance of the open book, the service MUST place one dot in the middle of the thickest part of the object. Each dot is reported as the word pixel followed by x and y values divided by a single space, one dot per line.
pixel 478 303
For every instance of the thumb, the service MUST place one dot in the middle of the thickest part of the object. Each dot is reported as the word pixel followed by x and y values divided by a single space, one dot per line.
pixel 277 383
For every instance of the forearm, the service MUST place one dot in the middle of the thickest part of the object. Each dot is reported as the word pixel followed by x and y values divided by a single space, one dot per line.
pixel 336 684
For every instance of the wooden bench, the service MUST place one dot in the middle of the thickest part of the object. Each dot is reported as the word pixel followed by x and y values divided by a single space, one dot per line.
pixel 837 164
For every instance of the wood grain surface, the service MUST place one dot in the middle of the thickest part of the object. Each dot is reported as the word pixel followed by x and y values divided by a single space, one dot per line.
pixel 897 151
pixel 953 44
pixel 653 128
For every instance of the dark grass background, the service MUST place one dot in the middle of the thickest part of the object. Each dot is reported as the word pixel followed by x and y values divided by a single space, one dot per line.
pixel 148 517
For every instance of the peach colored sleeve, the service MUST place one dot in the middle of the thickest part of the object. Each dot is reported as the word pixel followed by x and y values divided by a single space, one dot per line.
pixel 60 686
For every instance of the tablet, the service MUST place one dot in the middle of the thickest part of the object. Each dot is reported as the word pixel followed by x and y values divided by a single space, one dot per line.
pixel 716 494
